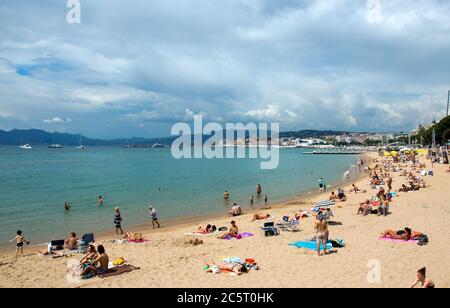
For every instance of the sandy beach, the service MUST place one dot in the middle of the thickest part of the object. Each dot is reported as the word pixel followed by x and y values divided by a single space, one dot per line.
pixel 167 261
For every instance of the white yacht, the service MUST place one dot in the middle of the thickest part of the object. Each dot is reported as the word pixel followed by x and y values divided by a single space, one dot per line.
pixel 26 147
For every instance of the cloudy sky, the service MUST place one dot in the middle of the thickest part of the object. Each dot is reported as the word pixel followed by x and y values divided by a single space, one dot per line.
pixel 133 68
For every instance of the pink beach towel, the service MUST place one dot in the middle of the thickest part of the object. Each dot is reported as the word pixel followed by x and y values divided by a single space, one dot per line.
pixel 397 241
pixel 239 237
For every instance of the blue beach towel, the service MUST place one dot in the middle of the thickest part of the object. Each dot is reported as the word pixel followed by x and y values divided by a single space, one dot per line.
pixel 311 245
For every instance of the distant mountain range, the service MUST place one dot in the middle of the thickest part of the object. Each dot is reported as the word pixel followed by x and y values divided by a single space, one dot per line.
pixel 40 137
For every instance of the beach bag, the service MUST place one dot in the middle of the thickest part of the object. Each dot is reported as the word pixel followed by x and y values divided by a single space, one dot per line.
pixel 337 243
pixel 423 240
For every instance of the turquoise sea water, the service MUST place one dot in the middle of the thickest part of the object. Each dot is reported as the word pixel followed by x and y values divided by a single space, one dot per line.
pixel 35 184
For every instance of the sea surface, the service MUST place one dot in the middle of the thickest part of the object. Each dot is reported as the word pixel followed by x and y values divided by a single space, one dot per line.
pixel 35 184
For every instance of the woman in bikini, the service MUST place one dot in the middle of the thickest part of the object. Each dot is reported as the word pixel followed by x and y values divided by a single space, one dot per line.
pixel 90 256
pixel 260 217
pixel 406 235
pixel 234 231
pixel 422 279
pixel 322 234
pixel 236 268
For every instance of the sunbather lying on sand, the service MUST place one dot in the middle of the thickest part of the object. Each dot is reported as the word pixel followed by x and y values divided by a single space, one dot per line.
pixel 406 234
pixel 134 236
pixel 260 217
pixel 207 230
pixel 234 231
pixel 232 267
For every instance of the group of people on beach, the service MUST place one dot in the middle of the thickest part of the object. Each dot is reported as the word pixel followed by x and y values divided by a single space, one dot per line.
pixel 96 260
pixel 236 209
pixel 118 219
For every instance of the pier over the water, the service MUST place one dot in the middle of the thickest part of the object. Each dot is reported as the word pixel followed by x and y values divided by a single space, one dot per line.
pixel 337 151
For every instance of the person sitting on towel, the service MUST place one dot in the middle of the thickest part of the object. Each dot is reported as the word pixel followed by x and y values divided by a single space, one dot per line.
pixel 100 265
pixel 235 211
pixel 365 208
pixel 233 232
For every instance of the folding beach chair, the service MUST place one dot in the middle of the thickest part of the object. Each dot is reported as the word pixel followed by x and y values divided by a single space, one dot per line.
pixel 86 240
pixel 269 229
pixel 289 225
pixel 57 245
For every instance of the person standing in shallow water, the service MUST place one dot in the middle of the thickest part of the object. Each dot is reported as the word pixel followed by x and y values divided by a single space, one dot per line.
pixel 154 216
pixel 258 189
pixel 66 206
pixel 100 201
pixel 118 221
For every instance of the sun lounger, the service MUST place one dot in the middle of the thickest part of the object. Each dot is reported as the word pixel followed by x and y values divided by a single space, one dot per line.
pixel 289 225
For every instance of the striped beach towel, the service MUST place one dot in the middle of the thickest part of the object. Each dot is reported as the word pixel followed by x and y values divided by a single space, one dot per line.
pixel 325 203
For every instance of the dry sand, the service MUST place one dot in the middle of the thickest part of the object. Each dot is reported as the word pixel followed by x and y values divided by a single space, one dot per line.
pixel 167 262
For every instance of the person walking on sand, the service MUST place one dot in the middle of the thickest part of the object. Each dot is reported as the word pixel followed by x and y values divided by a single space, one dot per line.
pixel 154 216
pixel 322 234
pixel 422 279
pixel 20 240
pixel 118 221
pixel 100 200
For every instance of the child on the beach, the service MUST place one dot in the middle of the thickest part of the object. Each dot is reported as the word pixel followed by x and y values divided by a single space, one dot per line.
pixel 20 240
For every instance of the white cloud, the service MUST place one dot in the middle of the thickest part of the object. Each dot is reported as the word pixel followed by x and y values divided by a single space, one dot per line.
pixel 304 63
pixel 56 120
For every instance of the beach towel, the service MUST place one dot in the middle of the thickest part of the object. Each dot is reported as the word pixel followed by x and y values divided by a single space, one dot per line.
pixel 200 234
pixel 397 241
pixel 141 241
pixel 233 260
pixel 310 245
pixel 325 203
pixel 119 271
pixel 239 237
